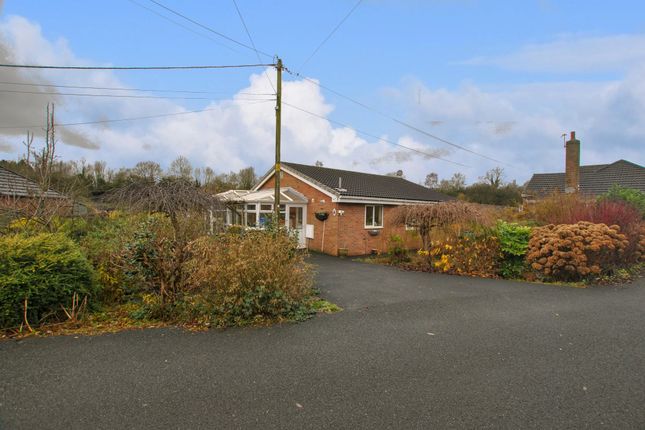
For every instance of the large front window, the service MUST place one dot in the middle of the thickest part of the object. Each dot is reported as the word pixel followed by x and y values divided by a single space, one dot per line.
pixel 373 216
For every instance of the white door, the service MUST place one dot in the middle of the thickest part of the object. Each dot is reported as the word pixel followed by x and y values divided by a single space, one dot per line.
pixel 295 224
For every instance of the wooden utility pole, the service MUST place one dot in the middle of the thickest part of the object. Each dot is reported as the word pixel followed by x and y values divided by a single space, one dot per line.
pixel 278 124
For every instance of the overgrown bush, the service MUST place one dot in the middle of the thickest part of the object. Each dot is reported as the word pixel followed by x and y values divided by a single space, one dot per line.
pixel 154 259
pixel 451 215
pixel 570 252
pixel 634 197
pixel 103 243
pixel 472 254
pixel 571 208
pixel 240 278
pixel 39 276
pixel 514 241
pixel 397 251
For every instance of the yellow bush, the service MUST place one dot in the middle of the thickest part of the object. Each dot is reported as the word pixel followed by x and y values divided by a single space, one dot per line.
pixel 471 255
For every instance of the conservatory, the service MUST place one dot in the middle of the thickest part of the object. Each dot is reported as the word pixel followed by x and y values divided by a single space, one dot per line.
pixel 254 209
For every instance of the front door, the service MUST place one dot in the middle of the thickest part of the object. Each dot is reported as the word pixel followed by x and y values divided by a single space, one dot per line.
pixel 296 225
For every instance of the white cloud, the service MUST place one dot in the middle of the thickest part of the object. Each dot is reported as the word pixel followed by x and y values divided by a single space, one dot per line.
pixel 518 124
pixel 573 54
pixel 522 125
pixel 228 135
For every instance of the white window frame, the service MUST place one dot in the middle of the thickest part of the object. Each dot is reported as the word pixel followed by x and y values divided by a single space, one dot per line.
pixel 375 207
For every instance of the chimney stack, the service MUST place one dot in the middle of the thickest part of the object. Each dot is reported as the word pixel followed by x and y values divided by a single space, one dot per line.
pixel 572 164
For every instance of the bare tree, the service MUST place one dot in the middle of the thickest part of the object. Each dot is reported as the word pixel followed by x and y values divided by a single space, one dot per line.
pixel 428 217
pixel 181 168
pixel 456 183
pixel 188 209
pixel 246 178
pixel 493 177
pixel 432 180
pixel 149 170
pixel 37 201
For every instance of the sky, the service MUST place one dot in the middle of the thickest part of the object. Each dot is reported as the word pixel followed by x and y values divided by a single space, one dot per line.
pixel 442 86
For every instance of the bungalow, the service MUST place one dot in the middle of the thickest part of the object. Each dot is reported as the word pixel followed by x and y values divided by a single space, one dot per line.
pixel 590 180
pixel 338 212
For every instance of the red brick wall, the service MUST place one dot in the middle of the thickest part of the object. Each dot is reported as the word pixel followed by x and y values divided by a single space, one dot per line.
pixel 347 231
pixel 321 203
pixel 356 238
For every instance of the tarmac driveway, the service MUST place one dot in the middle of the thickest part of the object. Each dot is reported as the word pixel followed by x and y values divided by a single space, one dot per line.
pixel 410 350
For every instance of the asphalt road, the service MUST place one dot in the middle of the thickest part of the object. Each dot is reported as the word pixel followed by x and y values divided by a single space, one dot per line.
pixel 410 350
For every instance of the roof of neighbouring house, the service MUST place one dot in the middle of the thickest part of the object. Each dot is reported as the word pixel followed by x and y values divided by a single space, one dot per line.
pixel 15 185
pixel 347 184
pixel 594 180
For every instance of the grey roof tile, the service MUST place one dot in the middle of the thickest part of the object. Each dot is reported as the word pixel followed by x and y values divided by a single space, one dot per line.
pixel 594 179
pixel 15 185
pixel 357 184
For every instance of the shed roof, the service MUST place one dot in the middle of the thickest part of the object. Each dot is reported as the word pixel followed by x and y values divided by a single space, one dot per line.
pixel 15 185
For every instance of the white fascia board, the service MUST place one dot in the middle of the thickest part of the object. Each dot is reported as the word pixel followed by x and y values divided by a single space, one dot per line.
pixel 296 174
pixel 382 201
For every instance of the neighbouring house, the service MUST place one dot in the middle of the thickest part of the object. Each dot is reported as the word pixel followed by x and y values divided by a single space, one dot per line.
pixel 338 212
pixel 589 180
pixel 19 195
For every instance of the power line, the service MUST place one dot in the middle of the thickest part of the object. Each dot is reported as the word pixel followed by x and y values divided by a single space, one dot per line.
pixel 38 84
pixel 107 121
pixel 396 120
pixel 426 154
pixel 205 27
pixel 248 33
pixel 33 66
pixel 185 27
pixel 331 34
pixel 125 96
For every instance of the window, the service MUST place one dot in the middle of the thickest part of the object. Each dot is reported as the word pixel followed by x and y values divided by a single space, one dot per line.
pixel 373 216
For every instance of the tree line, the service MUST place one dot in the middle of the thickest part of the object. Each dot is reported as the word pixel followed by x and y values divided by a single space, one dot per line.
pixel 81 179
pixel 490 189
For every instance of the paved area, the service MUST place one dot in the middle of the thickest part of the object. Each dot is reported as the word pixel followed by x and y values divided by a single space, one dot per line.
pixel 410 350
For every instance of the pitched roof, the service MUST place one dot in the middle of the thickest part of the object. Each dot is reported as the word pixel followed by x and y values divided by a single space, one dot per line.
pixel 365 185
pixel 289 195
pixel 15 185
pixel 594 179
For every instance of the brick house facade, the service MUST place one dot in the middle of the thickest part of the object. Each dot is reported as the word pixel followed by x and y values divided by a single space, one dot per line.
pixel 351 201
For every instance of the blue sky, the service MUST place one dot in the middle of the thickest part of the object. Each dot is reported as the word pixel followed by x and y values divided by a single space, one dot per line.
pixel 503 79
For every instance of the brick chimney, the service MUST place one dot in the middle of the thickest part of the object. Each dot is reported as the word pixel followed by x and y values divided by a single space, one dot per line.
pixel 572 164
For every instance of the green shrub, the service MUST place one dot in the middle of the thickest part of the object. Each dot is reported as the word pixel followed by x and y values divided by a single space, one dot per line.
pixel 103 244
pixel 514 241
pixel 45 270
pixel 632 196
pixel 397 250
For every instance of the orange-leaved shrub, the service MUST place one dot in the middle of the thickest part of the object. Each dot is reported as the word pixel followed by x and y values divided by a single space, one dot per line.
pixel 570 252
pixel 239 278
pixel 640 247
